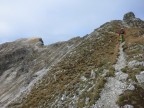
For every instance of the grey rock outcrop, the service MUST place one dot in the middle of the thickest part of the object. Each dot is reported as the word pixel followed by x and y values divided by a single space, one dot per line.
pixel 132 21
pixel 140 78
pixel 31 41
pixel 128 106
pixel 131 87
pixel 24 62
pixel 129 16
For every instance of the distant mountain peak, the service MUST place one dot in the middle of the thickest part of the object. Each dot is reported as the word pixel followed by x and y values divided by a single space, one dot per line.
pixel 129 16
pixel 132 21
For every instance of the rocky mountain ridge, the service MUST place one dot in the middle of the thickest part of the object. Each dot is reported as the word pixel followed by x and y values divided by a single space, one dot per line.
pixel 89 72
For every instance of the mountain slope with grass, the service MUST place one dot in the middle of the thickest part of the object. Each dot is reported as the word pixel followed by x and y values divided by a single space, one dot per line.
pixel 94 71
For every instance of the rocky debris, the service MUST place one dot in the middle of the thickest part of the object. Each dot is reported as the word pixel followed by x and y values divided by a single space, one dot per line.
pixel 128 106
pixel 121 60
pixel 121 76
pixel 110 93
pixel 131 87
pixel 83 78
pixel 140 77
pixel 135 63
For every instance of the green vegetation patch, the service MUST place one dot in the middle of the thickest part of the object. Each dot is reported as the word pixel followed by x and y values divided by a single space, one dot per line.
pixel 93 94
pixel 111 72
pixel 135 98
pixel 133 71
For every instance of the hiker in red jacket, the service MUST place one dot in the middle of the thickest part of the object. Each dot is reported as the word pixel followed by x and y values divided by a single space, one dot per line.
pixel 122 33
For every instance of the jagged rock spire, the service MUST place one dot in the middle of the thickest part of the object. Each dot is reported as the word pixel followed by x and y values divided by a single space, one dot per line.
pixel 129 16
pixel 130 19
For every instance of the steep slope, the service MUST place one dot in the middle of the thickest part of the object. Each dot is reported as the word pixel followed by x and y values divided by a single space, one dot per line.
pixel 92 71
pixel 74 78
pixel 25 61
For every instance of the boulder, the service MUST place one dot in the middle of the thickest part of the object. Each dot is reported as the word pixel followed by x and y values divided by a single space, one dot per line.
pixel 128 106
pixel 131 87
pixel 140 77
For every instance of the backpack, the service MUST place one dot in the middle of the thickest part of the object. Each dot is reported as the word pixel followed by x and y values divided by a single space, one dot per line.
pixel 122 32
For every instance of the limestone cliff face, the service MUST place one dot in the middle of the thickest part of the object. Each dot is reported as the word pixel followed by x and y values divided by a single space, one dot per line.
pixel 25 61
pixel 91 72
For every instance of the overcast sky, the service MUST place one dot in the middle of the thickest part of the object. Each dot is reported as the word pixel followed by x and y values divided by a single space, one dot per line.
pixel 59 20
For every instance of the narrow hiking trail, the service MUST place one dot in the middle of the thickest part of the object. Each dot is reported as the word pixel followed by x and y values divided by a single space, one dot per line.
pixel 115 85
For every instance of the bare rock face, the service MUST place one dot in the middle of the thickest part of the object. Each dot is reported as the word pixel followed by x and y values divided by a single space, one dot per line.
pixel 31 41
pixel 128 106
pixel 132 21
pixel 129 16
pixel 17 51
pixel 140 78
pixel 23 62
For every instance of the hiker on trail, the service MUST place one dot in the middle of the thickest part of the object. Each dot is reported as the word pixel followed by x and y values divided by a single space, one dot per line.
pixel 121 35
